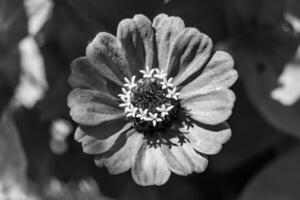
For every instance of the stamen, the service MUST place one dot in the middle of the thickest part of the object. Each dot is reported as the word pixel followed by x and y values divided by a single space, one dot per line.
pixel 130 83
pixel 173 94
pixel 143 114
pixel 150 102
pixel 147 73
pixel 167 84
pixel 160 74
pixel 164 110
pixel 154 118
pixel 131 111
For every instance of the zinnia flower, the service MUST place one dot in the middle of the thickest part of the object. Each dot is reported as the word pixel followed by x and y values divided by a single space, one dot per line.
pixel 154 99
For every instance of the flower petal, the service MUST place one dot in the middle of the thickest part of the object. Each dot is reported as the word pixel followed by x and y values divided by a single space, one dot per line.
pixel 106 52
pixel 87 75
pixel 91 144
pixel 83 96
pixel 105 129
pixel 150 168
pixel 217 75
pixel 167 28
pixel 136 36
pixel 92 108
pixel 207 141
pixel 212 108
pixel 120 157
pixel 189 53
pixel 183 159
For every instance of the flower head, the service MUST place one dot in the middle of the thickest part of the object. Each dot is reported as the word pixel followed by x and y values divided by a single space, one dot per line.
pixel 154 99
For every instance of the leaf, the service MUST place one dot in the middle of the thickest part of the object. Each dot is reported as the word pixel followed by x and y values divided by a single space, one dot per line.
pixel 279 180
pixel 288 91
pixel 260 79
pixel 294 7
pixel 13 27
pixel 32 84
pixel 9 75
pixel 13 167
pixel 38 12
pixel 84 189
pixel 13 23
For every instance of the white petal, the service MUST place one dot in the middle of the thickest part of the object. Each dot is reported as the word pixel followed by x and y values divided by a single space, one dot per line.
pixel 150 167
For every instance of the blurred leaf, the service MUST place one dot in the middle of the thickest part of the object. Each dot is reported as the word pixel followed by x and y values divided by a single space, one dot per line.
pixel 32 84
pixel 9 75
pixel 294 7
pixel 262 47
pixel 13 27
pixel 13 23
pixel 85 189
pixel 35 138
pixel 288 91
pixel 293 22
pixel 260 79
pixel 13 168
pixel 38 12
pixel 279 180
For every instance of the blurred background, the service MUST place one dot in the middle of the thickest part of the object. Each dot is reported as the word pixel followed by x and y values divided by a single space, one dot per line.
pixel 39 159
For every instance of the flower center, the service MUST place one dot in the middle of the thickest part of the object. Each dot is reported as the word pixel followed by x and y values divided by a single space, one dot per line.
pixel 151 103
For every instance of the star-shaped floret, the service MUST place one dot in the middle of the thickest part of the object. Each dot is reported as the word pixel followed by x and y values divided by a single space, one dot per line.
pixel 154 118
pixel 125 104
pixel 173 94
pixel 160 74
pixel 131 111
pixel 164 110
pixel 125 97
pixel 126 93
pixel 130 83
pixel 147 73
pixel 142 114
pixel 167 83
